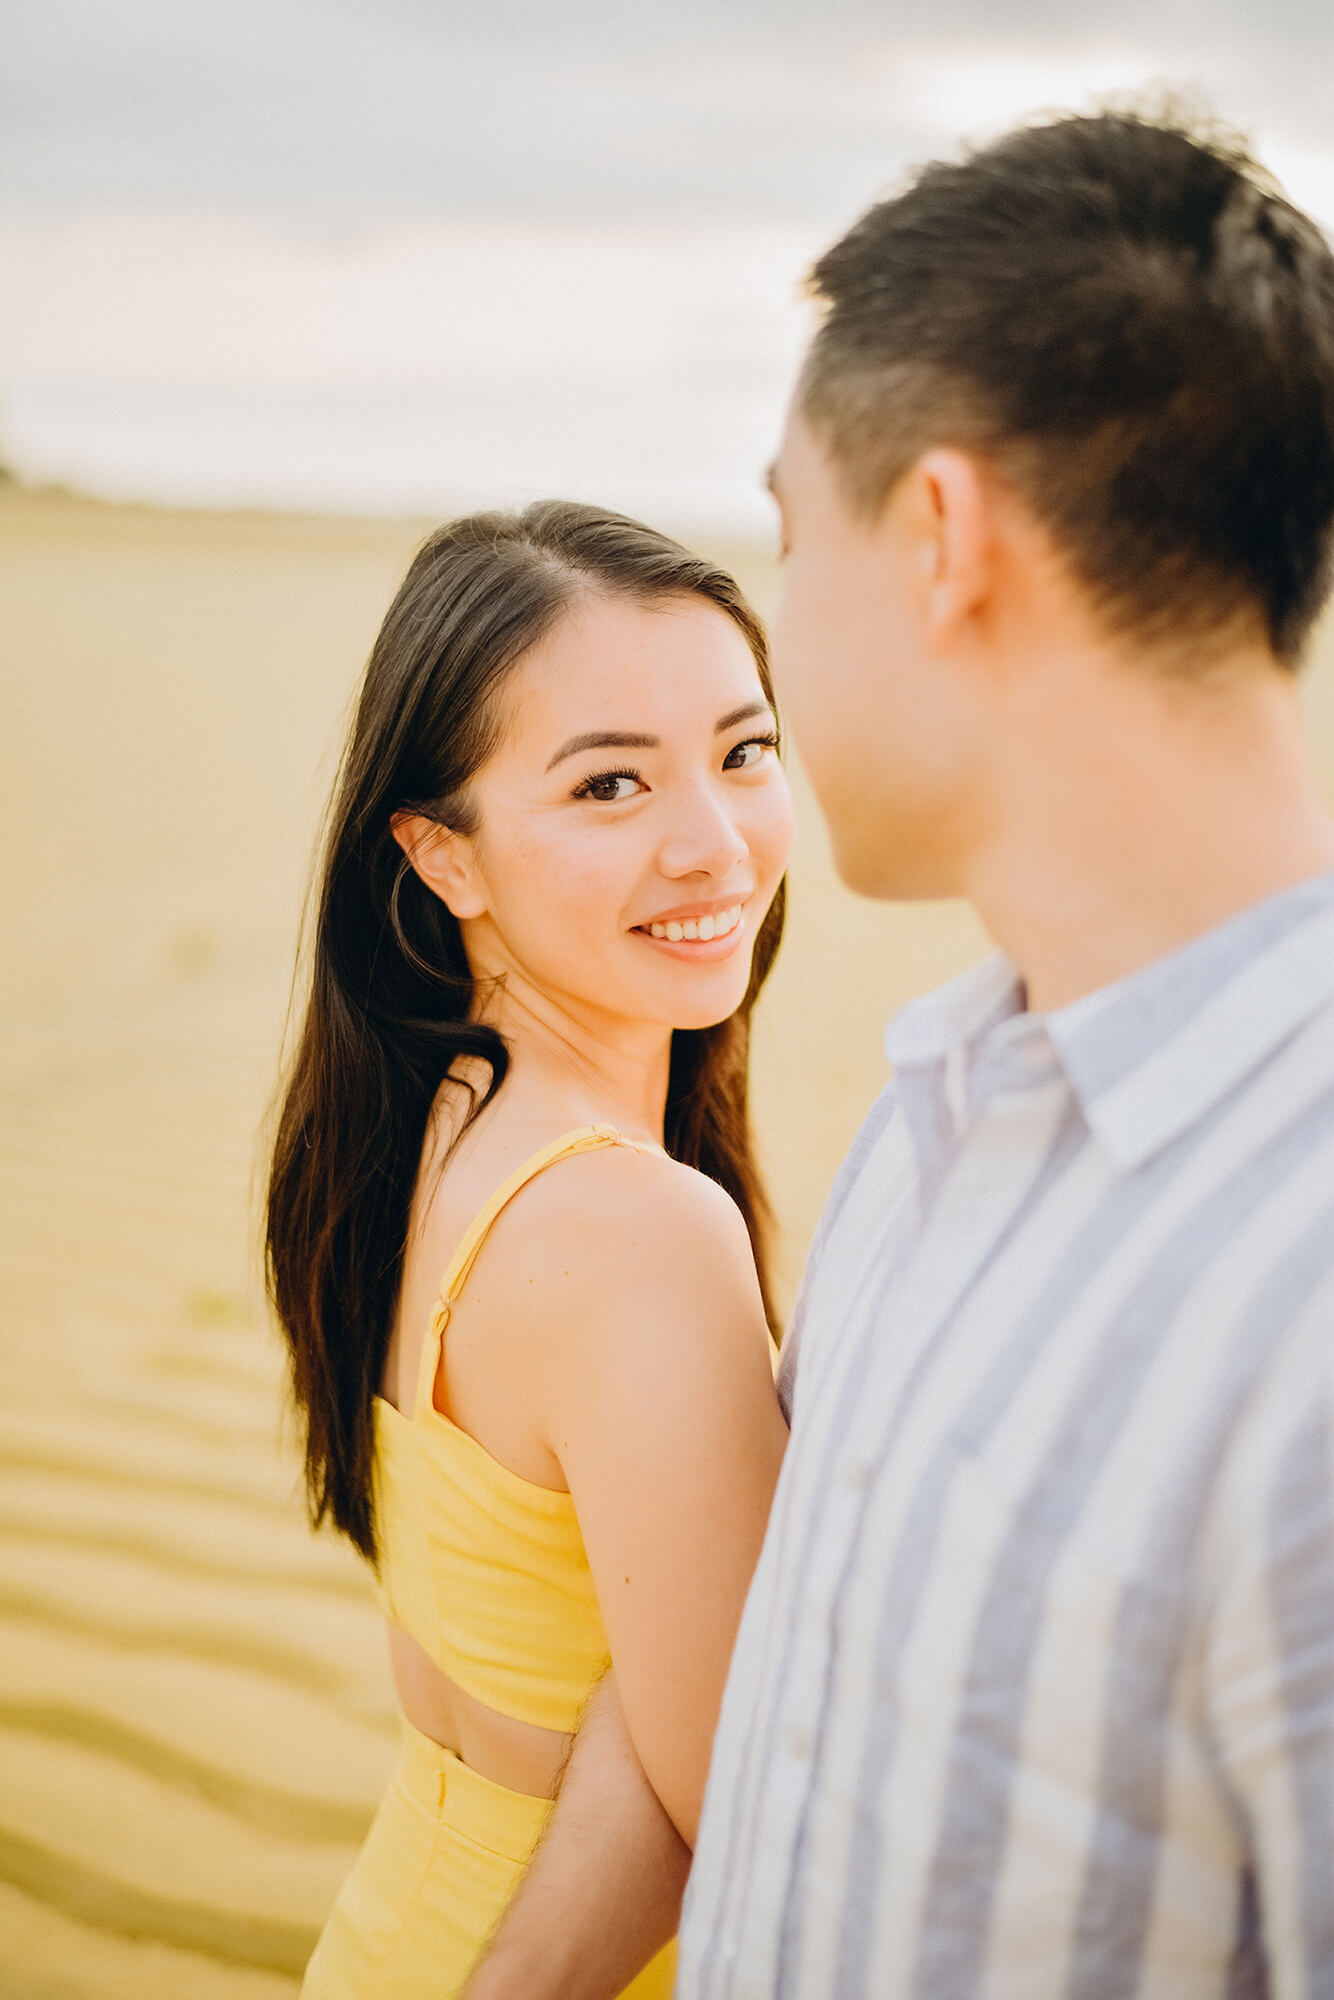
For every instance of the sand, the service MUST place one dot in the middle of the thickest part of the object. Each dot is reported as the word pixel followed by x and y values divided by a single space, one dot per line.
pixel 195 1713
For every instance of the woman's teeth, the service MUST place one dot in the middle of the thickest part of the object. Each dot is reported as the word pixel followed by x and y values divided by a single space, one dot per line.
pixel 699 929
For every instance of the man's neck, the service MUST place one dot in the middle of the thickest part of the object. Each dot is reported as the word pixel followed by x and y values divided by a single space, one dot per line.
pixel 1134 814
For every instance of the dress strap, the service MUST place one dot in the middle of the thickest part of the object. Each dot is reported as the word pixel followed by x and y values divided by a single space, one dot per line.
pixel 584 1139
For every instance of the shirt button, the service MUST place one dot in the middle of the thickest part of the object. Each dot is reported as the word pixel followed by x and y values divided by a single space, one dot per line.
pixel 857 1475
pixel 799 1741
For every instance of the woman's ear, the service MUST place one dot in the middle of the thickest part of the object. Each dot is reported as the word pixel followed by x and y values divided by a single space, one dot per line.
pixel 445 861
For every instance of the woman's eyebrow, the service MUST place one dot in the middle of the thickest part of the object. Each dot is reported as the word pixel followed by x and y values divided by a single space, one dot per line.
pixel 736 715
pixel 605 739
pixel 625 739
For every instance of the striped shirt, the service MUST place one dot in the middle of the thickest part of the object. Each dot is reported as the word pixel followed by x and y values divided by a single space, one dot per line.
pixel 1034 1691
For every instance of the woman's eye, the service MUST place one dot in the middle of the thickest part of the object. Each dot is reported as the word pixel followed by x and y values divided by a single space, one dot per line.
pixel 744 756
pixel 607 787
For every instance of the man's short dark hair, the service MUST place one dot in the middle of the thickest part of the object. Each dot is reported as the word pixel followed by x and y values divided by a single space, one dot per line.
pixel 1137 328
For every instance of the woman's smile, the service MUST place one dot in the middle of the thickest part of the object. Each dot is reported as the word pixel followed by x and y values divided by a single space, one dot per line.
pixel 703 932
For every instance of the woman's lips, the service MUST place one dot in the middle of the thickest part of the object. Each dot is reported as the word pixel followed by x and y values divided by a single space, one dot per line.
pixel 709 924
pixel 705 938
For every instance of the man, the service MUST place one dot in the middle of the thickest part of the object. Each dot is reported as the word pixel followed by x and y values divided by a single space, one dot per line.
pixel 1034 1690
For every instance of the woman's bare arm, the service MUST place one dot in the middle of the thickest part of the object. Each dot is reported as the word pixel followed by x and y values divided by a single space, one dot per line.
pixel 604 1890
pixel 649 1372
pixel 653 1384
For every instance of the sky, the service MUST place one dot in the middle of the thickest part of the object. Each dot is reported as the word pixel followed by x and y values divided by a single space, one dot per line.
pixel 412 255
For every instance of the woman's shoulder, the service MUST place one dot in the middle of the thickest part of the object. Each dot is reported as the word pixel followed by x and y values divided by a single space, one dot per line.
pixel 611 1199
pixel 616 1227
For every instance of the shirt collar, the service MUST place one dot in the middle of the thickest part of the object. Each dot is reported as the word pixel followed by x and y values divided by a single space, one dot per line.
pixel 1151 1054
pixel 955 1014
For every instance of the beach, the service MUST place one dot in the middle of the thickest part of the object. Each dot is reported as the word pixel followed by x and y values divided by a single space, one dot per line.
pixel 195 1710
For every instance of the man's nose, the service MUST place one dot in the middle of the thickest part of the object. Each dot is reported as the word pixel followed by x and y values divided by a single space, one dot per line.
pixel 703 840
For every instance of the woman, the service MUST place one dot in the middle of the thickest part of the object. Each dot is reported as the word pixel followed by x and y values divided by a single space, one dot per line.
pixel 550 895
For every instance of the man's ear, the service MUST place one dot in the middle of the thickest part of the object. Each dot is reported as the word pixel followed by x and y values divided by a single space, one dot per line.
pixel 445 861
pixel 950 514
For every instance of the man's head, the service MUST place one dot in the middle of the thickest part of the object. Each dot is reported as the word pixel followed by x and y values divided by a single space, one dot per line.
pixel 1077 389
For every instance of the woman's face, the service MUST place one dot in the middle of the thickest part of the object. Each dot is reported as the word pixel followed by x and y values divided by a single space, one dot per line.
pixel 634 823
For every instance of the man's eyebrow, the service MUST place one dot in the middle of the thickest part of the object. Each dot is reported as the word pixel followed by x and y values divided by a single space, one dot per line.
pixel 604 739
pixel 771 478
pixel 742 715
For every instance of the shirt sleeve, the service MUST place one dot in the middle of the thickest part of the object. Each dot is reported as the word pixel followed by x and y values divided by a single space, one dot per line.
pixel 789 1354
pixel 872 1127
pixel 1270 1688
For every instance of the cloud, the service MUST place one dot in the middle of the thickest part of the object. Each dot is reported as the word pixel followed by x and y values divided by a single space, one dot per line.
pixel 346 111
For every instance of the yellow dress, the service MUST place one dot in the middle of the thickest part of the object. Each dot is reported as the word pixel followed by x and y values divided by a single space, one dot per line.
pixel 489 1575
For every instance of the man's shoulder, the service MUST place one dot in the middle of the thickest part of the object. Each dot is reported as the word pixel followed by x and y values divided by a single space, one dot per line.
pixel 860 1197
pixel 871 1161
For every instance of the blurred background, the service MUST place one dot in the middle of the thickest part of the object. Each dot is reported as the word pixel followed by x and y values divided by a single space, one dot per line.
pixel 281 284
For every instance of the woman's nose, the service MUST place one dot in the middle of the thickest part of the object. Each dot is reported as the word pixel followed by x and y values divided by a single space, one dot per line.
pixel 704 840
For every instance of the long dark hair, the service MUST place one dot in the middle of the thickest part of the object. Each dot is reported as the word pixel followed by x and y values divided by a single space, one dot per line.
pixel 391 993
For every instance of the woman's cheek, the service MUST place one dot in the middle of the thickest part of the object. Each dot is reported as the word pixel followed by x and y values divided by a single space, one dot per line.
pixel 774 840
pixel 586 891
